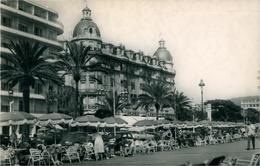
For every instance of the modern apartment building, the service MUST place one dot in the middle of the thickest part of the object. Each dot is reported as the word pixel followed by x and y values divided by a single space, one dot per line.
pixel 130 69
pixel 24 19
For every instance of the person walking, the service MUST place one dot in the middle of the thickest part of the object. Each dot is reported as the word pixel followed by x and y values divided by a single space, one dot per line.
pixel 98 146
pixel 251 132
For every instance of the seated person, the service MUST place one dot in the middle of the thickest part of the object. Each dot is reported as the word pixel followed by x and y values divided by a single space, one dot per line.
pixel 129 148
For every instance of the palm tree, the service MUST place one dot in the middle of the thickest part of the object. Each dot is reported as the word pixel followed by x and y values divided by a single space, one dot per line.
pixel 157 94
pixel 75 61
pixel 106 103
pixel 50 99
pixel 181 104
pixel 26 65
pixel 66 103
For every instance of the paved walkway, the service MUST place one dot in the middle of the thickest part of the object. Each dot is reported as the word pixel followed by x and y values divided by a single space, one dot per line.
pixel 193 154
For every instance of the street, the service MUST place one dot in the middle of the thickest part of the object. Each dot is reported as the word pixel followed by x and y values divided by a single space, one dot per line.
pixel 193 154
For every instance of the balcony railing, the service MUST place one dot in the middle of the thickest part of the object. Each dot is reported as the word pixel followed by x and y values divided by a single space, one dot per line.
pixel 55 24
pixel 31 36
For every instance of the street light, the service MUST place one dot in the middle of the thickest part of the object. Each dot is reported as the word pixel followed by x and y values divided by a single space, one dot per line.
pixel 10 92
pixel 201 85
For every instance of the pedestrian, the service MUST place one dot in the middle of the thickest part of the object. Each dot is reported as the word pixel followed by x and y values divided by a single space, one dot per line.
pixel 98 146
pixel 13 139
pixel 251 133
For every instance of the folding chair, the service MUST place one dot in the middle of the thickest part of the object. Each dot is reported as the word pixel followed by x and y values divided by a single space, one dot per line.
pixel 35 156
pixel 89 152
pixel 5 158
pixel 71 153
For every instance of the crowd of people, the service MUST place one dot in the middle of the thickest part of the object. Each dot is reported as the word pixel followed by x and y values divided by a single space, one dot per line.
pixel 129 144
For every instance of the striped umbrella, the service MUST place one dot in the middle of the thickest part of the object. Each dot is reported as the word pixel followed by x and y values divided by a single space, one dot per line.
pixel 87 120
pixel 54 118
pixel 16 118
pixel 114 122
pixel 147 124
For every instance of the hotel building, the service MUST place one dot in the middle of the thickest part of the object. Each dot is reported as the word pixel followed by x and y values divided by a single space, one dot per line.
pixel 24 19
pixel 130 69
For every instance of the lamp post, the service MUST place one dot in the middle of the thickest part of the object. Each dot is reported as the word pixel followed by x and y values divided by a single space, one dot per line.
pixel 201 85
pixel 10 92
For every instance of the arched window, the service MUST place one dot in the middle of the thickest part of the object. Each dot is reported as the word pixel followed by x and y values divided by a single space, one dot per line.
pixel 90 30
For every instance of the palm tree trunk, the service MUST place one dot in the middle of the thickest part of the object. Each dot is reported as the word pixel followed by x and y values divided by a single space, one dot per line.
pixel 158 109
pixel 26 98
pixel 26 108
pixel 77 99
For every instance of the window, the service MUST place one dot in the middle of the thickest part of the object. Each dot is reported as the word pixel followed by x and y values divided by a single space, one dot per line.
pixel 92 79
pixel 4 108
pixel 5 44
pixel 132 85
pixel 38 31
pixel 124 83
pixel 4 86
pixel 111 81
pixel 40 13
pixel 20 105
pixel 20 88
pixel 38 88
pixel 141 85
pixel 90 30
pixel 52 35
pixel 99 79
pixel 6 22
pixel 23 27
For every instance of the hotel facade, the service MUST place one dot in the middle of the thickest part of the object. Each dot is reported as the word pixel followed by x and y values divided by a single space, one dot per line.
pixel 24 19
pixel 130 69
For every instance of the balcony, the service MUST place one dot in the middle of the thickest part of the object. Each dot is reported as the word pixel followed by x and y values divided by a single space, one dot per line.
pixel 57 25
pixel 30 36
pixel 19 94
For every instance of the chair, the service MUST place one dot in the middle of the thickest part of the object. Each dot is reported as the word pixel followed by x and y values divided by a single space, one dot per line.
pixel 255 161
pixel 5 158
pixel 89 151
pixel 200 142
pixel 35 156
pixel 164 145
pixel 71 153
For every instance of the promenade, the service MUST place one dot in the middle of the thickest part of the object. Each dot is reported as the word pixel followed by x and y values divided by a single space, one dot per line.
pixel 169 158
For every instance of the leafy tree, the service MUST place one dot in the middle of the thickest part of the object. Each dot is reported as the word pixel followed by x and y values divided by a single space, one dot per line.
pixel 157 94
pixel 75 61
pixel 66 103
pixel 51 99
pixel 106 105
pixel 252 115
pixel 182 104
pixel 225 110
pixel 26 65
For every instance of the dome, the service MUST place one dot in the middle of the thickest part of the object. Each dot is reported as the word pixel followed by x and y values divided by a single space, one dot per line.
pixel 86 28
pixel 162 54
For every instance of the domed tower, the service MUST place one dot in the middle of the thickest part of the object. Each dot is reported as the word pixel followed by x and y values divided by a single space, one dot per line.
pixel 87 31
pixel 163 55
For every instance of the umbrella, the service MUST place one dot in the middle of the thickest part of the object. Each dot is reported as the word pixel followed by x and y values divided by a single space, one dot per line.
pixel 87 120
pixel 16 118
pixel 163 123
pixel 146 124
pixel 114 122
pixel 54 118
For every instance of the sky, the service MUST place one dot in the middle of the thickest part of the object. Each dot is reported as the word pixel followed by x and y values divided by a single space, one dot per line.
pixel 214 40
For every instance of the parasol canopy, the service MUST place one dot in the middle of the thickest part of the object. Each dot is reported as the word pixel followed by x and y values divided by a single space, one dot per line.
pixel 16 118
pixel 87 120
pixel 114 122
pixel 147 124
pixel 54 118
pixel 164 123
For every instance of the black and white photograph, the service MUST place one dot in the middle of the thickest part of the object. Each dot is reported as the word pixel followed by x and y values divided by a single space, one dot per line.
pixel 130 82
